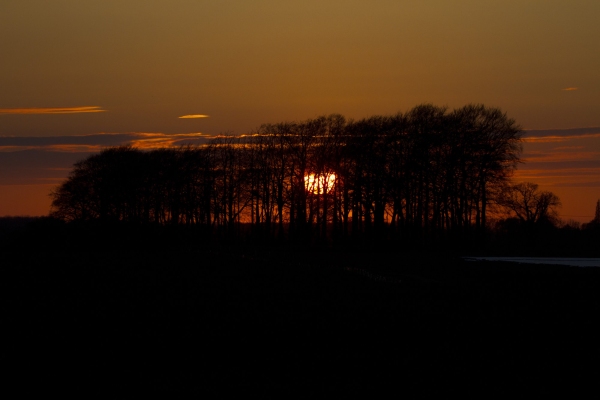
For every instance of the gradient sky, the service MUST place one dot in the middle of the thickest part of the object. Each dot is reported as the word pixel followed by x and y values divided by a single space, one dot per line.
pixel 72 72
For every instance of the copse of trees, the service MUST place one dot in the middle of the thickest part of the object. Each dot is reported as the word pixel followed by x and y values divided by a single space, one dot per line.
pixel 529 205
pixel 429 171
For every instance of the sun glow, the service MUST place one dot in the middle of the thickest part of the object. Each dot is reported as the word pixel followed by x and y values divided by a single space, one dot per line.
pixel 319 183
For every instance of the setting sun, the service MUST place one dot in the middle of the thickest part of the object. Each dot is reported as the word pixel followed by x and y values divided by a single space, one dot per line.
pixel 319 183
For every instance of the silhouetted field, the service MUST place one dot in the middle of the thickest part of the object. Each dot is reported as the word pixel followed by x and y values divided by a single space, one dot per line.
pixel 125 315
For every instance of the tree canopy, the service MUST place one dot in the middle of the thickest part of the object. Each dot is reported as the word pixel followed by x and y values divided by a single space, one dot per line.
pixel 530 205
pixel 427 171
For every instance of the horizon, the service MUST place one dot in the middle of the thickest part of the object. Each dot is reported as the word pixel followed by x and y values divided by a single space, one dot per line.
pixel 31 167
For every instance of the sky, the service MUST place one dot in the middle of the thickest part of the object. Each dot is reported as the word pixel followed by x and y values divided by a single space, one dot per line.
pixel 77 76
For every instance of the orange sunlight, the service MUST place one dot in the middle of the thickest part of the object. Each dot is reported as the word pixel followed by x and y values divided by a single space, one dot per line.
pixel 320 183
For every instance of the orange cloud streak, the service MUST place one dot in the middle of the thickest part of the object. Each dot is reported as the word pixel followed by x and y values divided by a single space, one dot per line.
pixel 52 110
pixel 150 141
pixel 558 139
pixel 563 173
pixel 147 144
pixel 193 116
pixel 561 156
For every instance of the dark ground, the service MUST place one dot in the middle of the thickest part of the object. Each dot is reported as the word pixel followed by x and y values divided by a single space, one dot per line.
pixel 131 319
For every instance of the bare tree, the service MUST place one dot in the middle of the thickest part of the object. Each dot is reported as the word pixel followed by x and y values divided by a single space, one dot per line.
pixel 529 205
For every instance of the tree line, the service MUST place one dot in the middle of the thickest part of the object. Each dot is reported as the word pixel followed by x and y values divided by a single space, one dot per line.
pixel 430 171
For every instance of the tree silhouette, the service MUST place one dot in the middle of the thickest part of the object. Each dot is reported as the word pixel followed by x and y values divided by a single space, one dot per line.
pixel 529 205
pixel 594 224
pixel 424 173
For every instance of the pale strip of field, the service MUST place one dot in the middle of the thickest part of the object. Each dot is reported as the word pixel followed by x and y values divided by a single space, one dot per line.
pixel 574 262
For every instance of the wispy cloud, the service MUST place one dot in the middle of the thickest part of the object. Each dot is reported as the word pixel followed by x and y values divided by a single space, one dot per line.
pixel 96 142
pixel 562 132
pixel 546 139
pixel 570 89
pixel 559 135
pixel 43 160
pixel 561 156
pixel 147 141
pixel 559 159
pixel 52 110
pixel 569 148
pixel 585 184
pixel 559 139
pixel 534 171
pixel 34 166
pixel 559 177
pixel 191 116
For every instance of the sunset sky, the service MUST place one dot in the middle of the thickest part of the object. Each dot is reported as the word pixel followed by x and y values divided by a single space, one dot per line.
pixel 77 76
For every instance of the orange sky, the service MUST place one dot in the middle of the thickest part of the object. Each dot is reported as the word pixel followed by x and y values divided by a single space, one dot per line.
pixel 71 69
pixel 567 163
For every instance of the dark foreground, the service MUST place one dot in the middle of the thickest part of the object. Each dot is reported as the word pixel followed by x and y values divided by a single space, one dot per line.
pixel 215 320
